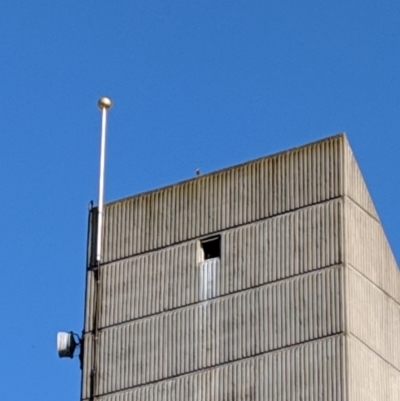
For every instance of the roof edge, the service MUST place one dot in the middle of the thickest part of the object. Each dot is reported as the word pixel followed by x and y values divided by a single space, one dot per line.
pixel 342 135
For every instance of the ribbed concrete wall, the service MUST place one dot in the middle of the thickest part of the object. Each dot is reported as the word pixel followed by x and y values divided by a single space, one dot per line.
pixel 306 288
pixel 215 332
pixel 251 255
pixel 312 372
pixel 225 199
pixel 211 333
pixel 243 194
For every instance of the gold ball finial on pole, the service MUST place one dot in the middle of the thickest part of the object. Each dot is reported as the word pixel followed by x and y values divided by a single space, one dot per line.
pixel 104 103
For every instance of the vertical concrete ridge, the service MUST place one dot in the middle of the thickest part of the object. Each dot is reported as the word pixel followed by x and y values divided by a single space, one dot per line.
pixel 238 195
pixel 207 334
pixel 251 255
pixel 309 371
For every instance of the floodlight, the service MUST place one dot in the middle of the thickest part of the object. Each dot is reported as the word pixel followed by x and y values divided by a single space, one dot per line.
pixel 66 344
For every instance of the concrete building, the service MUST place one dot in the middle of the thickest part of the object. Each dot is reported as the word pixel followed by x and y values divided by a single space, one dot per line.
pixel 270 280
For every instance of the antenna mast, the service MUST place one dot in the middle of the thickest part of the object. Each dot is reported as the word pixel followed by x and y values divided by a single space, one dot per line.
pixel 104 104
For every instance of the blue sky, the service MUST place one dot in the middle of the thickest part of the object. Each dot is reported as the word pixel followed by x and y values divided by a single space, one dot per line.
pixel 195 84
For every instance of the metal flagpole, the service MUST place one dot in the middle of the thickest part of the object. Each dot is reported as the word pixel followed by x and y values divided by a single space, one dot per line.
pixel 104 104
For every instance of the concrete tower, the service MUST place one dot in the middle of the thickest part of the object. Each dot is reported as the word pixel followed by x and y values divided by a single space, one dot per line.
pixel 272 280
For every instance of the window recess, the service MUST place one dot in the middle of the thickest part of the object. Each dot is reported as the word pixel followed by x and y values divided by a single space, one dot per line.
pixel 209 258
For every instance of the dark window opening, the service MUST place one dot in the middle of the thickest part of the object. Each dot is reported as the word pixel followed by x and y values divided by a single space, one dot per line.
pixel 211 247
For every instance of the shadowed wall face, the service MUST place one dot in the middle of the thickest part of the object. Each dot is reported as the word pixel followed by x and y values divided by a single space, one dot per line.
pixel 259 314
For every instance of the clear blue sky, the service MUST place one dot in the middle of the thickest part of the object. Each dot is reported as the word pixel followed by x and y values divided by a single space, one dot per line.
pixel 196 84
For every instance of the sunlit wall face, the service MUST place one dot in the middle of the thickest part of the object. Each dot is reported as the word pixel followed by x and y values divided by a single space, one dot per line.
pixel 251 283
